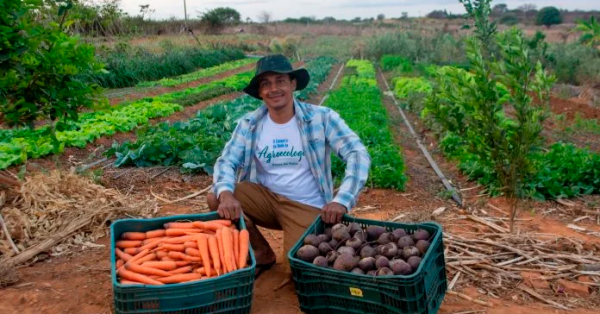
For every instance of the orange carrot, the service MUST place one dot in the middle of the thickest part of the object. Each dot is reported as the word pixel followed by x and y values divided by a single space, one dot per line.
pixel 179 225
pixel 150 240
pixel 160 254
pixel 123 244
pixel 130 250
pixel 192 252
pixel 134 267
pixel 182 263
pixel 151 244
pixel 180 278
pixel 129 275
pixel 203 271
pixel 162 265
pixel 185 257
pixel 202 244
pixel 192 244
pixel 129 282
pixel 244 248
pixel 147 258
pixel 221 255
pixel 208 225
pixel 139 256
pixel 213 248
pixel 122 255
pixel 224 222
pixel 172 247
pixel 155 233
pixel 166 258
pixel 180 232
pixel 236 248
pixel 181 239
pixel 134 236
pixel 181 270
pixel 120 263
pixel 227 248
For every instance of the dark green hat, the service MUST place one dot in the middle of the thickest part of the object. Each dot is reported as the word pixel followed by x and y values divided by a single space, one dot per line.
pixel 277 64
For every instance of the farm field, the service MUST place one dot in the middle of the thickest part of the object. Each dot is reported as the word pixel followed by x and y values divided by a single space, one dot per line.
pixel 519 203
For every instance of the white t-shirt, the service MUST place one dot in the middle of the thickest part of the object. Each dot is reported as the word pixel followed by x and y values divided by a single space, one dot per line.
pixel 282 166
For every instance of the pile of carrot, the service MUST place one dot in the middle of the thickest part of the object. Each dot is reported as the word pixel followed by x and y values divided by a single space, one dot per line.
pixel 181 252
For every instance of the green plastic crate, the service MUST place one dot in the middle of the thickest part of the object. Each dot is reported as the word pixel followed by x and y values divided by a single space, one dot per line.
pixel 325 290
pixel 230 293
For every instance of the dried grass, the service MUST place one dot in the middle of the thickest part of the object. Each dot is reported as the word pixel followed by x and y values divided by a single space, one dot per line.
pixel 47 205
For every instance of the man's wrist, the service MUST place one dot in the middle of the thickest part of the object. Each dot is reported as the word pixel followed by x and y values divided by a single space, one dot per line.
pixel 225 195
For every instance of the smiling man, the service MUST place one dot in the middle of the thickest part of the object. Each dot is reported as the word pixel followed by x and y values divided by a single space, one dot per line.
pixel 282 152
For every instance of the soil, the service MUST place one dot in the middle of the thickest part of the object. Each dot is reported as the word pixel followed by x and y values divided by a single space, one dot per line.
pixel 570 108
pixel 80 282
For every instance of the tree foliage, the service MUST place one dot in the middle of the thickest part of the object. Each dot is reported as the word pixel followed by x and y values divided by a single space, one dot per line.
pixel 591 32
pixel 218 18
pixel 548 16
pixel 42 69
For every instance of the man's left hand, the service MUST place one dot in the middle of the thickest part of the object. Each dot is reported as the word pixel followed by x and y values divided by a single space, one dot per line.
pixel 333 212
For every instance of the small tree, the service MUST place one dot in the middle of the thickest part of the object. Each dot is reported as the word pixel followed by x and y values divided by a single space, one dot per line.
pixel 380 17
pixel 404 15
pixel 591 32
pixel 548 16
pixel 218 18
pixel 264 17
pixel 500 9
pixel 42 69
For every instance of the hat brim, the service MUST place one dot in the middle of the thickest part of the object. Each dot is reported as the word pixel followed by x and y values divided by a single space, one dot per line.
pixel 301 75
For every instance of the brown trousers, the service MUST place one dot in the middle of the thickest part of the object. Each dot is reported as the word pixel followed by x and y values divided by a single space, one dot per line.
pixel 266 209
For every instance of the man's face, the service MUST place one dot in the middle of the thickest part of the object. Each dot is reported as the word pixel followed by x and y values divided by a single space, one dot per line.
pixel 276 90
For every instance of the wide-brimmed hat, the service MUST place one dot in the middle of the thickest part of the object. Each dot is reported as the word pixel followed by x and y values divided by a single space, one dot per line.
pixel 277 64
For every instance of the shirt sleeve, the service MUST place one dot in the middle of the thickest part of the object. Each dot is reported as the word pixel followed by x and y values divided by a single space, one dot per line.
pixel 231 158
pixel 348 146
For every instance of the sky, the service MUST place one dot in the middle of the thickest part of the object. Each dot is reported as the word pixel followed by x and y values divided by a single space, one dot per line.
pixel 340 9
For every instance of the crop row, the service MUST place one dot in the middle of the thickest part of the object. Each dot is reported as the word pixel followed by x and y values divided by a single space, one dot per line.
pixel 358 101
pixel 202 73
pixel 196 144
pixel 559 170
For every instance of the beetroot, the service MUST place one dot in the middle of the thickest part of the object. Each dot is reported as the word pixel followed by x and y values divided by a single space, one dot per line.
pixel 384 271
pixel 354 243
pixel 334 243
pixel 320 261
pixel 353 228
pixel 382 261
pixel 374 232
pixel 327 232
pixel 389 250
pixel 307 253
pixel 325 248
pixel 385 238
pixel 357 270
pixel 372 273
pixel 341 235
pixel 414 262
pixel 405 241
pixel 332 256
pixel 421 234
pixel 422 245
pixel 409 251
pixel 400 267
pixel 324 237
pixel 367 251
pixel 346 250
pixel 361 235
pixel 398 233
pixel 345 262
pixel 337 227
pixel 367 263
pixel 312 239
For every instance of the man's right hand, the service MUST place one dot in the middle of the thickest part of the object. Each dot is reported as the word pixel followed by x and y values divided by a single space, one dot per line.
pixel 229 207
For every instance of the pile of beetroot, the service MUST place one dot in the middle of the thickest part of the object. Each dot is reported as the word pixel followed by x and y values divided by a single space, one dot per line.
pixel 373 251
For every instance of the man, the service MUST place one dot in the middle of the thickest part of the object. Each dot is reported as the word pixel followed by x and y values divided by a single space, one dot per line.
pixel 283 151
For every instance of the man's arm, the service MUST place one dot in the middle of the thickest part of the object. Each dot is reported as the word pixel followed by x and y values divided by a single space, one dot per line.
pixel 231 158
pixel 347 145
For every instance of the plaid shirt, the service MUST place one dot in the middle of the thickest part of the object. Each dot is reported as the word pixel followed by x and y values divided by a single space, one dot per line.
pixel 322 130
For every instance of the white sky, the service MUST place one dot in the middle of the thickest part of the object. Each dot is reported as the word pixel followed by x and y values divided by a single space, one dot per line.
pixel 340 9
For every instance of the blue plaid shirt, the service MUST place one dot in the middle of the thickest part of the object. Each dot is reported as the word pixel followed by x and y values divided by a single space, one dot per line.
pixel 322 130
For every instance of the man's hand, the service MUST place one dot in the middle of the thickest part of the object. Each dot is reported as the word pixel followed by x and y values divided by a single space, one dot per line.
pixel 229 207
pixel 333 212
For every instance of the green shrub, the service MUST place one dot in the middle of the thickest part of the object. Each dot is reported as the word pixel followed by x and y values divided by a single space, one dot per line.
pixel 391 62
pixel 548 16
